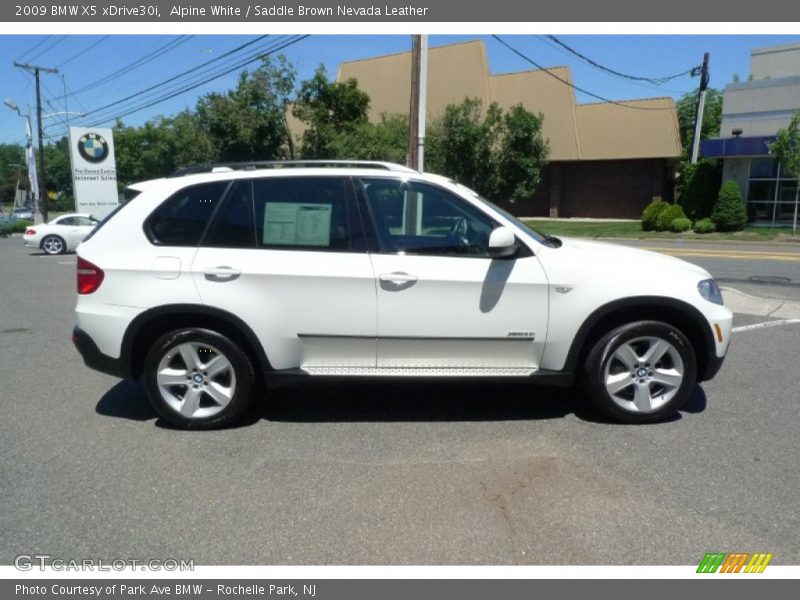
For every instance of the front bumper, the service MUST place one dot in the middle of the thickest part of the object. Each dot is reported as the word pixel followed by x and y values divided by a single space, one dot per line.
pixel 94 359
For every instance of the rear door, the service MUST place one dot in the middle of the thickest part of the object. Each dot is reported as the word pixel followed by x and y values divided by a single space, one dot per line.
pixel 287 256
pixel 443 303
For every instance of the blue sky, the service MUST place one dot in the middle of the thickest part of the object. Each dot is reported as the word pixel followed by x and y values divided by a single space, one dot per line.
pixel 86 59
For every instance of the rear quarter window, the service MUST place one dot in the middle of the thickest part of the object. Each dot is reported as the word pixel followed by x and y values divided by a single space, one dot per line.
pixel 181 219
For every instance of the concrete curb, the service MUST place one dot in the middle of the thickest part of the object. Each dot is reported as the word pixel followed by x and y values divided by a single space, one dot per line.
pixel 739 302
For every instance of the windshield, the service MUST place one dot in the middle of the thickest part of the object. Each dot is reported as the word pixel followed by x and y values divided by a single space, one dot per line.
pixel 530 232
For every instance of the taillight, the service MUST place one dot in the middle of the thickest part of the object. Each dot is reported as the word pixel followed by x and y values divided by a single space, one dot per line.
pixel 30 232
pixel 89 276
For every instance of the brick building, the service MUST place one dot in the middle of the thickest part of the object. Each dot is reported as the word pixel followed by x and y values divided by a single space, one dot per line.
pixel 606 160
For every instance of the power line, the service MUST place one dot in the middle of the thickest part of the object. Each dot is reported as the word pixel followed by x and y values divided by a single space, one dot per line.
pixel 84 51
pixel 653 80
pixel 34 47
pixel 48 48
pixel 572 85
pixel 236 67
pixel 160 89
pixel 545 40
pixel 171 79
pixel 141 61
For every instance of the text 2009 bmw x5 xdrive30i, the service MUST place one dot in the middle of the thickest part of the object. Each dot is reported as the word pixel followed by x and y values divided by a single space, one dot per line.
pixel 216 277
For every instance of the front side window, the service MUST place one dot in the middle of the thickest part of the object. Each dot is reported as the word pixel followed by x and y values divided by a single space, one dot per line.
pixel 181 219
pixel 302 213
pixel 85 221
pixel 416 218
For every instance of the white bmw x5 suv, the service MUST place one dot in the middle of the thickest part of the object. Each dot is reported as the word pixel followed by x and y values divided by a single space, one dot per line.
pixel 216 278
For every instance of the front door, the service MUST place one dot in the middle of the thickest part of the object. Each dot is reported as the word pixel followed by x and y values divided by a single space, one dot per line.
pixel 443 303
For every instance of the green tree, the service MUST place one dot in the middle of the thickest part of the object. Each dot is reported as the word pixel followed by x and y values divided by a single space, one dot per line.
pixel 498 155
pixel 249 122
pixel 729 212
pixel 12 168
pixel 786 150
pixel 699 185
pixel 58 174
pixel 712 118
pixel 385 140
pixel 463 145
pixel 522 153
pixel 330 110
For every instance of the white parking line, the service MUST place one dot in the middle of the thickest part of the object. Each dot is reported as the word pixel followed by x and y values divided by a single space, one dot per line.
pixel 766 324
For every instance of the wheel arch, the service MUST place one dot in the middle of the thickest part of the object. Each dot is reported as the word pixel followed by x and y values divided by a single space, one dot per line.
pixel 151 324
pixel 677 313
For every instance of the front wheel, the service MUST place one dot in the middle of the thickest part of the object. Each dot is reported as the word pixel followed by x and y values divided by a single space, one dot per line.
pixel 641 372
pixel 198 379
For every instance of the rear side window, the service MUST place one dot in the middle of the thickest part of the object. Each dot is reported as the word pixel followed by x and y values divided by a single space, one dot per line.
pixel 181 219
pixel 233 225
pixel 302 212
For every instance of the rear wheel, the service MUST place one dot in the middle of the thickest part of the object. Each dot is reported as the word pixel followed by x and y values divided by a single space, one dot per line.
pixel 198 379
pixel 641 372
pixel 53 244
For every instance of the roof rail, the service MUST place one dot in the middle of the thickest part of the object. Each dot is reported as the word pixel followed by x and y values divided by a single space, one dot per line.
pixel 288 164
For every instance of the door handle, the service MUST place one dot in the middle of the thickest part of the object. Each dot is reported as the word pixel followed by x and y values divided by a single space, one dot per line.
pixel 397 278
pixel 221 274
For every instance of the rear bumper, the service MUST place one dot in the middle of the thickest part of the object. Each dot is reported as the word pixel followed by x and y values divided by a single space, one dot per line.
pixel 94 359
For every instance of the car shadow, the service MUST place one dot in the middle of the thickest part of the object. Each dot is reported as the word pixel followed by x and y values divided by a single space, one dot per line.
pixel 392 401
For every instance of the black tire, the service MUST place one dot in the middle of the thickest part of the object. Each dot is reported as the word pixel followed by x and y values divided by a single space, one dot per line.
pixel 603 362
pixel 168 400
pixel 53 245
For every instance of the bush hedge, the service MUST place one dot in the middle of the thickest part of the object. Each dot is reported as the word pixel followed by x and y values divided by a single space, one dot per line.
pixel 681 224
pixel 729 212
pixel 14 227
pixel 668 215
pixel 651 213
pixel 705 226
pixel 700 185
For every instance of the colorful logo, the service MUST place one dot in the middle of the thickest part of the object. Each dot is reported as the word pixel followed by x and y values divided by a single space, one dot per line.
pixel 734 562
pixel 93 147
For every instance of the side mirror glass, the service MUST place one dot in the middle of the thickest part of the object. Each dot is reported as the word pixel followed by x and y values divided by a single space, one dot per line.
pixel 502 243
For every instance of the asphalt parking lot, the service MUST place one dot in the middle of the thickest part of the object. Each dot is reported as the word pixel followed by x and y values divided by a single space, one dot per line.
pixel 385 473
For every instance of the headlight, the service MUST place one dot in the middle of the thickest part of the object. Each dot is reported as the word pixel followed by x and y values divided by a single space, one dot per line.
pixel 709 290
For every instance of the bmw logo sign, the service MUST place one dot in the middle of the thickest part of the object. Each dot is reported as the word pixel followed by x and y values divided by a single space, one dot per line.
pixel 93 147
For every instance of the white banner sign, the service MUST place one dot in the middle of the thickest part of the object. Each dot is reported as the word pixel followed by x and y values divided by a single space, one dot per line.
pixel 94 170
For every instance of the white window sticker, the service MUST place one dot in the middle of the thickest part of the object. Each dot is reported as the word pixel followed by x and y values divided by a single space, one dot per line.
pixel 290 224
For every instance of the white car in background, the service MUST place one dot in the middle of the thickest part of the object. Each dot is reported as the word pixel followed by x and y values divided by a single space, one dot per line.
pixel 62 234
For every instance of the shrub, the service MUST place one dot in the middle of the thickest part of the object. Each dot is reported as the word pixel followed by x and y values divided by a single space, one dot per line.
pixel 729 212
pixel 651 213
pixel 704 226
pixel 10 227
pixel 668 215
pixel 681 224
pixel 699 188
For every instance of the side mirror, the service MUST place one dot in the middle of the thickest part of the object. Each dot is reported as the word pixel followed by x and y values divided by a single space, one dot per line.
pixel 502 243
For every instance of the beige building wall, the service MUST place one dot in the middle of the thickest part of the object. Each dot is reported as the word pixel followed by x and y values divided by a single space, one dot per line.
pixel 455 72
pixel 775 62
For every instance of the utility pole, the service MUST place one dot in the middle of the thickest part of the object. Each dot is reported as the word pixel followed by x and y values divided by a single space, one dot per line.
pixel 413 112
pixel 701 104
pixel 35 69
pixel 423 101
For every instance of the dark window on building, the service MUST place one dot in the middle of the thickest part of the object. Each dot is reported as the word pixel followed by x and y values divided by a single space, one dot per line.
pixel 302 212
pixel 181 219
pixel 233 226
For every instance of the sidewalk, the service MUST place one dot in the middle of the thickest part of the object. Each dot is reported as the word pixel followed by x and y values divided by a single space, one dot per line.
pixel 739 302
